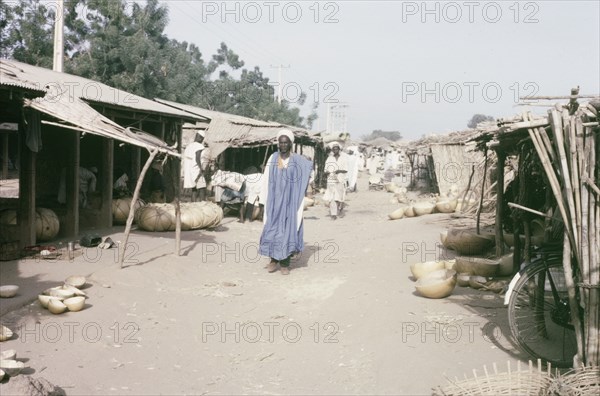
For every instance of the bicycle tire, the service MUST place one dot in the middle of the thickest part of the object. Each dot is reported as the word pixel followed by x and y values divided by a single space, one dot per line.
pixel 531 322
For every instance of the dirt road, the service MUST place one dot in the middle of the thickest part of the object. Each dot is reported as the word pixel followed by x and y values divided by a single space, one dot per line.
pixel 346 320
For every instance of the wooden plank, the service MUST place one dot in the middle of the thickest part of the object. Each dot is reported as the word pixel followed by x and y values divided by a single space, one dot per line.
pixel 105 218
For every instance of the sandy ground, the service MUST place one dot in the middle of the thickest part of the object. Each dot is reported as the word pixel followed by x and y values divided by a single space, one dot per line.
pixel 346 320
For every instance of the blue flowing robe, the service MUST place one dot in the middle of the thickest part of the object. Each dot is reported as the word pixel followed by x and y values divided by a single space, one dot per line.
pixel 283 232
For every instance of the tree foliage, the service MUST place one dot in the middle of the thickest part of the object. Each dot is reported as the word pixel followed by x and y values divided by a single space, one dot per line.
pixel 390 135
pixel 123 44
pixel 477 118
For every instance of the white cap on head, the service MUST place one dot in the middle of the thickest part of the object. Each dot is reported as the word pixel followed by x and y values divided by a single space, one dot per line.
pixel 286 132
pixel 333 144
pixel 201 133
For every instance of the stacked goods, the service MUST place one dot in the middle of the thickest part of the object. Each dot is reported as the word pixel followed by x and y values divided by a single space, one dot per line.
pixel 467 242
pixel 419 270
pixel 446 206
pixel 67 297
pixel 121 208
pixel 477 266
pixel 423 208
pixel 195 215
pixel 396 214
pixel 156 217
pixel 47 224
pixel 5 333
pixel 437 284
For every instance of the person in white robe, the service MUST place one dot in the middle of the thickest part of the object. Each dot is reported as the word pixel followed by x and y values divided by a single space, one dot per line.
pixel 196 159
pixel 336 169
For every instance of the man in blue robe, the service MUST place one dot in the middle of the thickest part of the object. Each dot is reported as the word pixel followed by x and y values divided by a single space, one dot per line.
pixel 285 181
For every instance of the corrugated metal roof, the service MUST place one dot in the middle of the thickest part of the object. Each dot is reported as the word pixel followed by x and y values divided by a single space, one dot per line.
pixel 9 77
pixel 240 131
pixel 57 84
pixel 211 114
pixel 78 115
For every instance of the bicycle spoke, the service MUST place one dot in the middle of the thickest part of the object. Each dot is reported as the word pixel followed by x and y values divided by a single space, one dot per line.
pixel 539 319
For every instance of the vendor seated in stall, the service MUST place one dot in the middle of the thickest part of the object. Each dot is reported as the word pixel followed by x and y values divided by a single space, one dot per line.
pixel 239 192
pixel 229 189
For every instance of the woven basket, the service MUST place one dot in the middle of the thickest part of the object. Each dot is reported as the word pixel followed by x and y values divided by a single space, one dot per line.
pixel 527 381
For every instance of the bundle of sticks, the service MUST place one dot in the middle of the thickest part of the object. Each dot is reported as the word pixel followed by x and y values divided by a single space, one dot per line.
pixel 568 149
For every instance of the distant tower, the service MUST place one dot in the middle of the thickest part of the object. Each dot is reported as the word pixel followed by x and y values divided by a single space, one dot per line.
pixel 337 121
pixel 280 81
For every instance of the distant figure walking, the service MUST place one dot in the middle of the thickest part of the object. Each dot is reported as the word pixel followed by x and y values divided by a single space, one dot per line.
pixel 336 169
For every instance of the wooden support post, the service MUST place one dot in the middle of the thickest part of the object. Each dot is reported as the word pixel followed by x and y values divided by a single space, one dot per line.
pixel 177 185
pixel 5 156
pixel 500 203
pixel 136 195
pixel 177 220
pixel 462 205
pixel 72 183
pixel 26 215
pixel 135 164
pixel 485 166
pixel 106 182
pixel 517 255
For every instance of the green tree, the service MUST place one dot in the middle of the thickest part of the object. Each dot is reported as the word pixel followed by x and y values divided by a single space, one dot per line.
pixel 123 44
pixel 6 26
pixel 29 33
pixel 251 95
pixel 477 118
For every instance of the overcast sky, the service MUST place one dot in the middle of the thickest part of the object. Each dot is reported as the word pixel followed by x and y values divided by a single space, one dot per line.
pixel 416 67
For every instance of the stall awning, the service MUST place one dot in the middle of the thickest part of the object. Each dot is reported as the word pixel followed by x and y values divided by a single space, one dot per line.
pixel 74 113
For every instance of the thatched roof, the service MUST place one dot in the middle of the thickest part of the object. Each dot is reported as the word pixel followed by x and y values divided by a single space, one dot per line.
pixel 381 142
pixel 458 137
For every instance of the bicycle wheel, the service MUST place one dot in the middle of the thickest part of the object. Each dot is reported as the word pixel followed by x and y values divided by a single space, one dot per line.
pixel 540 322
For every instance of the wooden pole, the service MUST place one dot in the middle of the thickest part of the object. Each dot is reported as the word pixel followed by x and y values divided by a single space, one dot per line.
pixel 552 180
pixel 177 223
pixel 578 358
pixel 560 143
pixel 136 195
pixel 462 206
pixel 106 182
pixel 5 155
pixel 514 205
pixel 72 183
pixel 485 163
pixel 559 97
pixel 26 211
pixel 499 205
